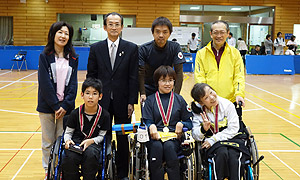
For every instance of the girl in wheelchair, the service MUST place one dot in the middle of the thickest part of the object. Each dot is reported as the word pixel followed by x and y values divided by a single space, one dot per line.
pixel 165 112
pixel 86 128
pixel 216 123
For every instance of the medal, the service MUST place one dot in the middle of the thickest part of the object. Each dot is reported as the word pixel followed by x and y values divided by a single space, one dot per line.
pixel 165 129
pixel 165 117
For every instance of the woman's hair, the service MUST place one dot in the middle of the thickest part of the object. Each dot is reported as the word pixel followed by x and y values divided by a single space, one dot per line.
pixel 268 36
pixel 163 71
pixel 68 49
pixel 197 94
pixel 293 38
pixel 278 33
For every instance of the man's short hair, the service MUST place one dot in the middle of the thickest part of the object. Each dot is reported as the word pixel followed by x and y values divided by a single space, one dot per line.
pixel 112 13
pixel 193 34
pixel 161 21
pixel 220 21
pixel 230 34
pixel 92 82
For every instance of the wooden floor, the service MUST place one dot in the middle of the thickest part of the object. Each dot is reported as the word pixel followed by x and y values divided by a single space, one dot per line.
pixel 272 111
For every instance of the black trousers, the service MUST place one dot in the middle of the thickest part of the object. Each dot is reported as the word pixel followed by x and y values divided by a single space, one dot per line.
pixel 89 161
pixel 228 162
pixel 160 152
pixel 122 158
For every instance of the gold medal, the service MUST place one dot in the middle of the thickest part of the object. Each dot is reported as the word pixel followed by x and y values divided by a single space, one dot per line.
pixel 165 129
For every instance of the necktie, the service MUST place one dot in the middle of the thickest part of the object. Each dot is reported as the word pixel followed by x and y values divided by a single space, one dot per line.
pixel 113 54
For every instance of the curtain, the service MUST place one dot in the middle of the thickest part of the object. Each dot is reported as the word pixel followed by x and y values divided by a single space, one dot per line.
pixel 6 30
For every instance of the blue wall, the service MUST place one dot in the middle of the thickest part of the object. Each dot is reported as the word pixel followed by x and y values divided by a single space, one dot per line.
pixel 33 52
pixel 271 64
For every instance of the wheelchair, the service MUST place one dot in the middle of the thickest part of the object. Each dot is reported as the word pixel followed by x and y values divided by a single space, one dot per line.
pixel 203 166
pixel 139 163
pixel 107 169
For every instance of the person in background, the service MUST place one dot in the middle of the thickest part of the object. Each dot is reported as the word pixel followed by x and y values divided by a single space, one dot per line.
pixel 57 78
pixel 256 50
pixel 268 45
pixel 242 47
pixel 262 48
pixel 231 40
pixel 159 52
pixel 279 44
pixel 193 43
pixel 290 50
pixel 292 43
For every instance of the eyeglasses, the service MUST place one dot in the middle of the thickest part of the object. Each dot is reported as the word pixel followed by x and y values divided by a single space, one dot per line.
pixel 219 33
pixel 167 81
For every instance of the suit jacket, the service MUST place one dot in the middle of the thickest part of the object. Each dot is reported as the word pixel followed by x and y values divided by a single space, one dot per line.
pixel 122 80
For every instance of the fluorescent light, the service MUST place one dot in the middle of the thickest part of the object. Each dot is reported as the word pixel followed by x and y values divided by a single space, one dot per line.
pixel 236 9
pixel 195 7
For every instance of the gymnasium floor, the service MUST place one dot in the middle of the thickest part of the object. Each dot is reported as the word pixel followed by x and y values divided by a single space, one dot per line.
pixel 272 111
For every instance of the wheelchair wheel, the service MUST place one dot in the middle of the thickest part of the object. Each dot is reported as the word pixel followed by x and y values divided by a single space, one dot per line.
pixel 198 162
pixel 141 163
pixel 254 158
pixel 54 166
pixel 112 169
pixel 188 170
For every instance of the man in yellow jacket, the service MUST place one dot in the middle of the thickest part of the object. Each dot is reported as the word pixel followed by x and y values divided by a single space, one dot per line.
pixel 221 66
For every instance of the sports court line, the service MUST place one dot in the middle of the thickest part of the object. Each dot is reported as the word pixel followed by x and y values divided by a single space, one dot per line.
pixel 18 80
pixel 274 113
pixel 14 149
pixel 23 165
pixel 273 94
pixel 5 73
pixel 272 169
pixel 272 104
pixel 290 140
pixel 18 151
pixel 285 164
pixel 19 112
pixel 253 109
pixel 20 132
pixel 287 151
pixel 21 81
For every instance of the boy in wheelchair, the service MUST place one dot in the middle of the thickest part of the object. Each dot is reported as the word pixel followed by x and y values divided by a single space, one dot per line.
pixel 165 113
pixel 85 131
pixel 217 125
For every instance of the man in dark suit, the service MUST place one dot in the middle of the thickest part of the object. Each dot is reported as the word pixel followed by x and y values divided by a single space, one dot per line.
pixel 115 62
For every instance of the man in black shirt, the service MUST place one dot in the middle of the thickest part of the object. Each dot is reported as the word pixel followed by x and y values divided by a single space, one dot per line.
pixel 159 52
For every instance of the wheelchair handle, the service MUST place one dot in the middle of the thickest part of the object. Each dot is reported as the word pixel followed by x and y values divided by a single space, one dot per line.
pixel 260 158
pixel 240 104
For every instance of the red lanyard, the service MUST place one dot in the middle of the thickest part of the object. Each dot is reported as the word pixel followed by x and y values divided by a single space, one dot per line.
pixel 165 118
pixel 81 120
pixel 216 129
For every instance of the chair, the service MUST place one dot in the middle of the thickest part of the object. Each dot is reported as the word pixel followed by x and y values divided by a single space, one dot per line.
pixel 20 57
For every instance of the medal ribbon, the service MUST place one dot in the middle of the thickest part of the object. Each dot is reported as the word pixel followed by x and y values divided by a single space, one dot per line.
pixel 166 118
pixel 216 129
pixel 81 120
